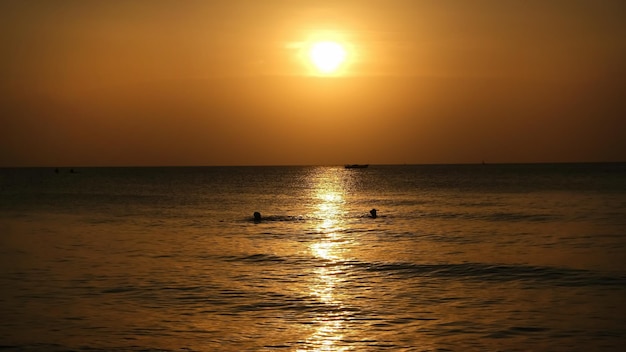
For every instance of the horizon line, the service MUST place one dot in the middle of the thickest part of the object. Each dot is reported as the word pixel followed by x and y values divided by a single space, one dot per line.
pixel 310 165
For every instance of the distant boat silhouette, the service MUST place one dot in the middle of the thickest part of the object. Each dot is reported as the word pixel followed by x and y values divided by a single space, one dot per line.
pixel 356 166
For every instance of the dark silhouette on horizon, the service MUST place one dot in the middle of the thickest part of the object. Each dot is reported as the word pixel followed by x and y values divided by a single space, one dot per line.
pixel 257 216
pixel 373 213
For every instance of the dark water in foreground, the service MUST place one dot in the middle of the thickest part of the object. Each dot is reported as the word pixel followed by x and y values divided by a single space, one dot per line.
pixel 461 258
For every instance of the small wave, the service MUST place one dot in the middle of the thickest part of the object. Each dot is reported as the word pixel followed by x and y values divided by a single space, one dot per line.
pixel 463 271
pixel 121 289
pixel 518 217
pixel 499 273
pixel 494 217
pixel 260 258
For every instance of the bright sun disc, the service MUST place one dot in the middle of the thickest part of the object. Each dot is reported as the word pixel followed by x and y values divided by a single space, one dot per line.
pixel 327 56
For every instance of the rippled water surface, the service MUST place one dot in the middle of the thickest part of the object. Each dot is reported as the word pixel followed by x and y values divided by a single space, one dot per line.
pixel 460 258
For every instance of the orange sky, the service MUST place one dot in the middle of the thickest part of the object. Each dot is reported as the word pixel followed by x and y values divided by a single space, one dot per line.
pixel 104 83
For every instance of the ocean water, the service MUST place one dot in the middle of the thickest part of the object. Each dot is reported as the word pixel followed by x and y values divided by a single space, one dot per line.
pixel 460 258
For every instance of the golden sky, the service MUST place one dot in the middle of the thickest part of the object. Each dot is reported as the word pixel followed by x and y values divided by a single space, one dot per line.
pixel 103 83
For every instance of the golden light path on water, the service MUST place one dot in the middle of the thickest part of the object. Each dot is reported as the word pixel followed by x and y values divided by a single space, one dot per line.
pixel 329 191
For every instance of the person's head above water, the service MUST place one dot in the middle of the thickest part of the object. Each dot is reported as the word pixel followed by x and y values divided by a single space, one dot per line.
pixel 257 216
pixel 373 213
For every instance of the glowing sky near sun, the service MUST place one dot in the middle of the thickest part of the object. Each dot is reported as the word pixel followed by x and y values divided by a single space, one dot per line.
pixel 238 82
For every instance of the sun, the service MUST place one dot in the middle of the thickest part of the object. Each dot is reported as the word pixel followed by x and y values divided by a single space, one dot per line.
pixel 327 56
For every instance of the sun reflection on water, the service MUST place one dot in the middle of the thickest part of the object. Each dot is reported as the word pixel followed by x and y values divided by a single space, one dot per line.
pixel 328 278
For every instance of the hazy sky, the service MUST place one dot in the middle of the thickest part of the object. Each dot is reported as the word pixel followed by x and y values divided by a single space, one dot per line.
pixel 103 83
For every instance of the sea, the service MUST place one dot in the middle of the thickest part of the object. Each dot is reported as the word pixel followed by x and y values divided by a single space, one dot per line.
pixel 495 257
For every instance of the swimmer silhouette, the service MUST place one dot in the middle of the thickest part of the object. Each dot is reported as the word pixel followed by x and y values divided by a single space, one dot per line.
pixel 373 213
pixel 257 216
